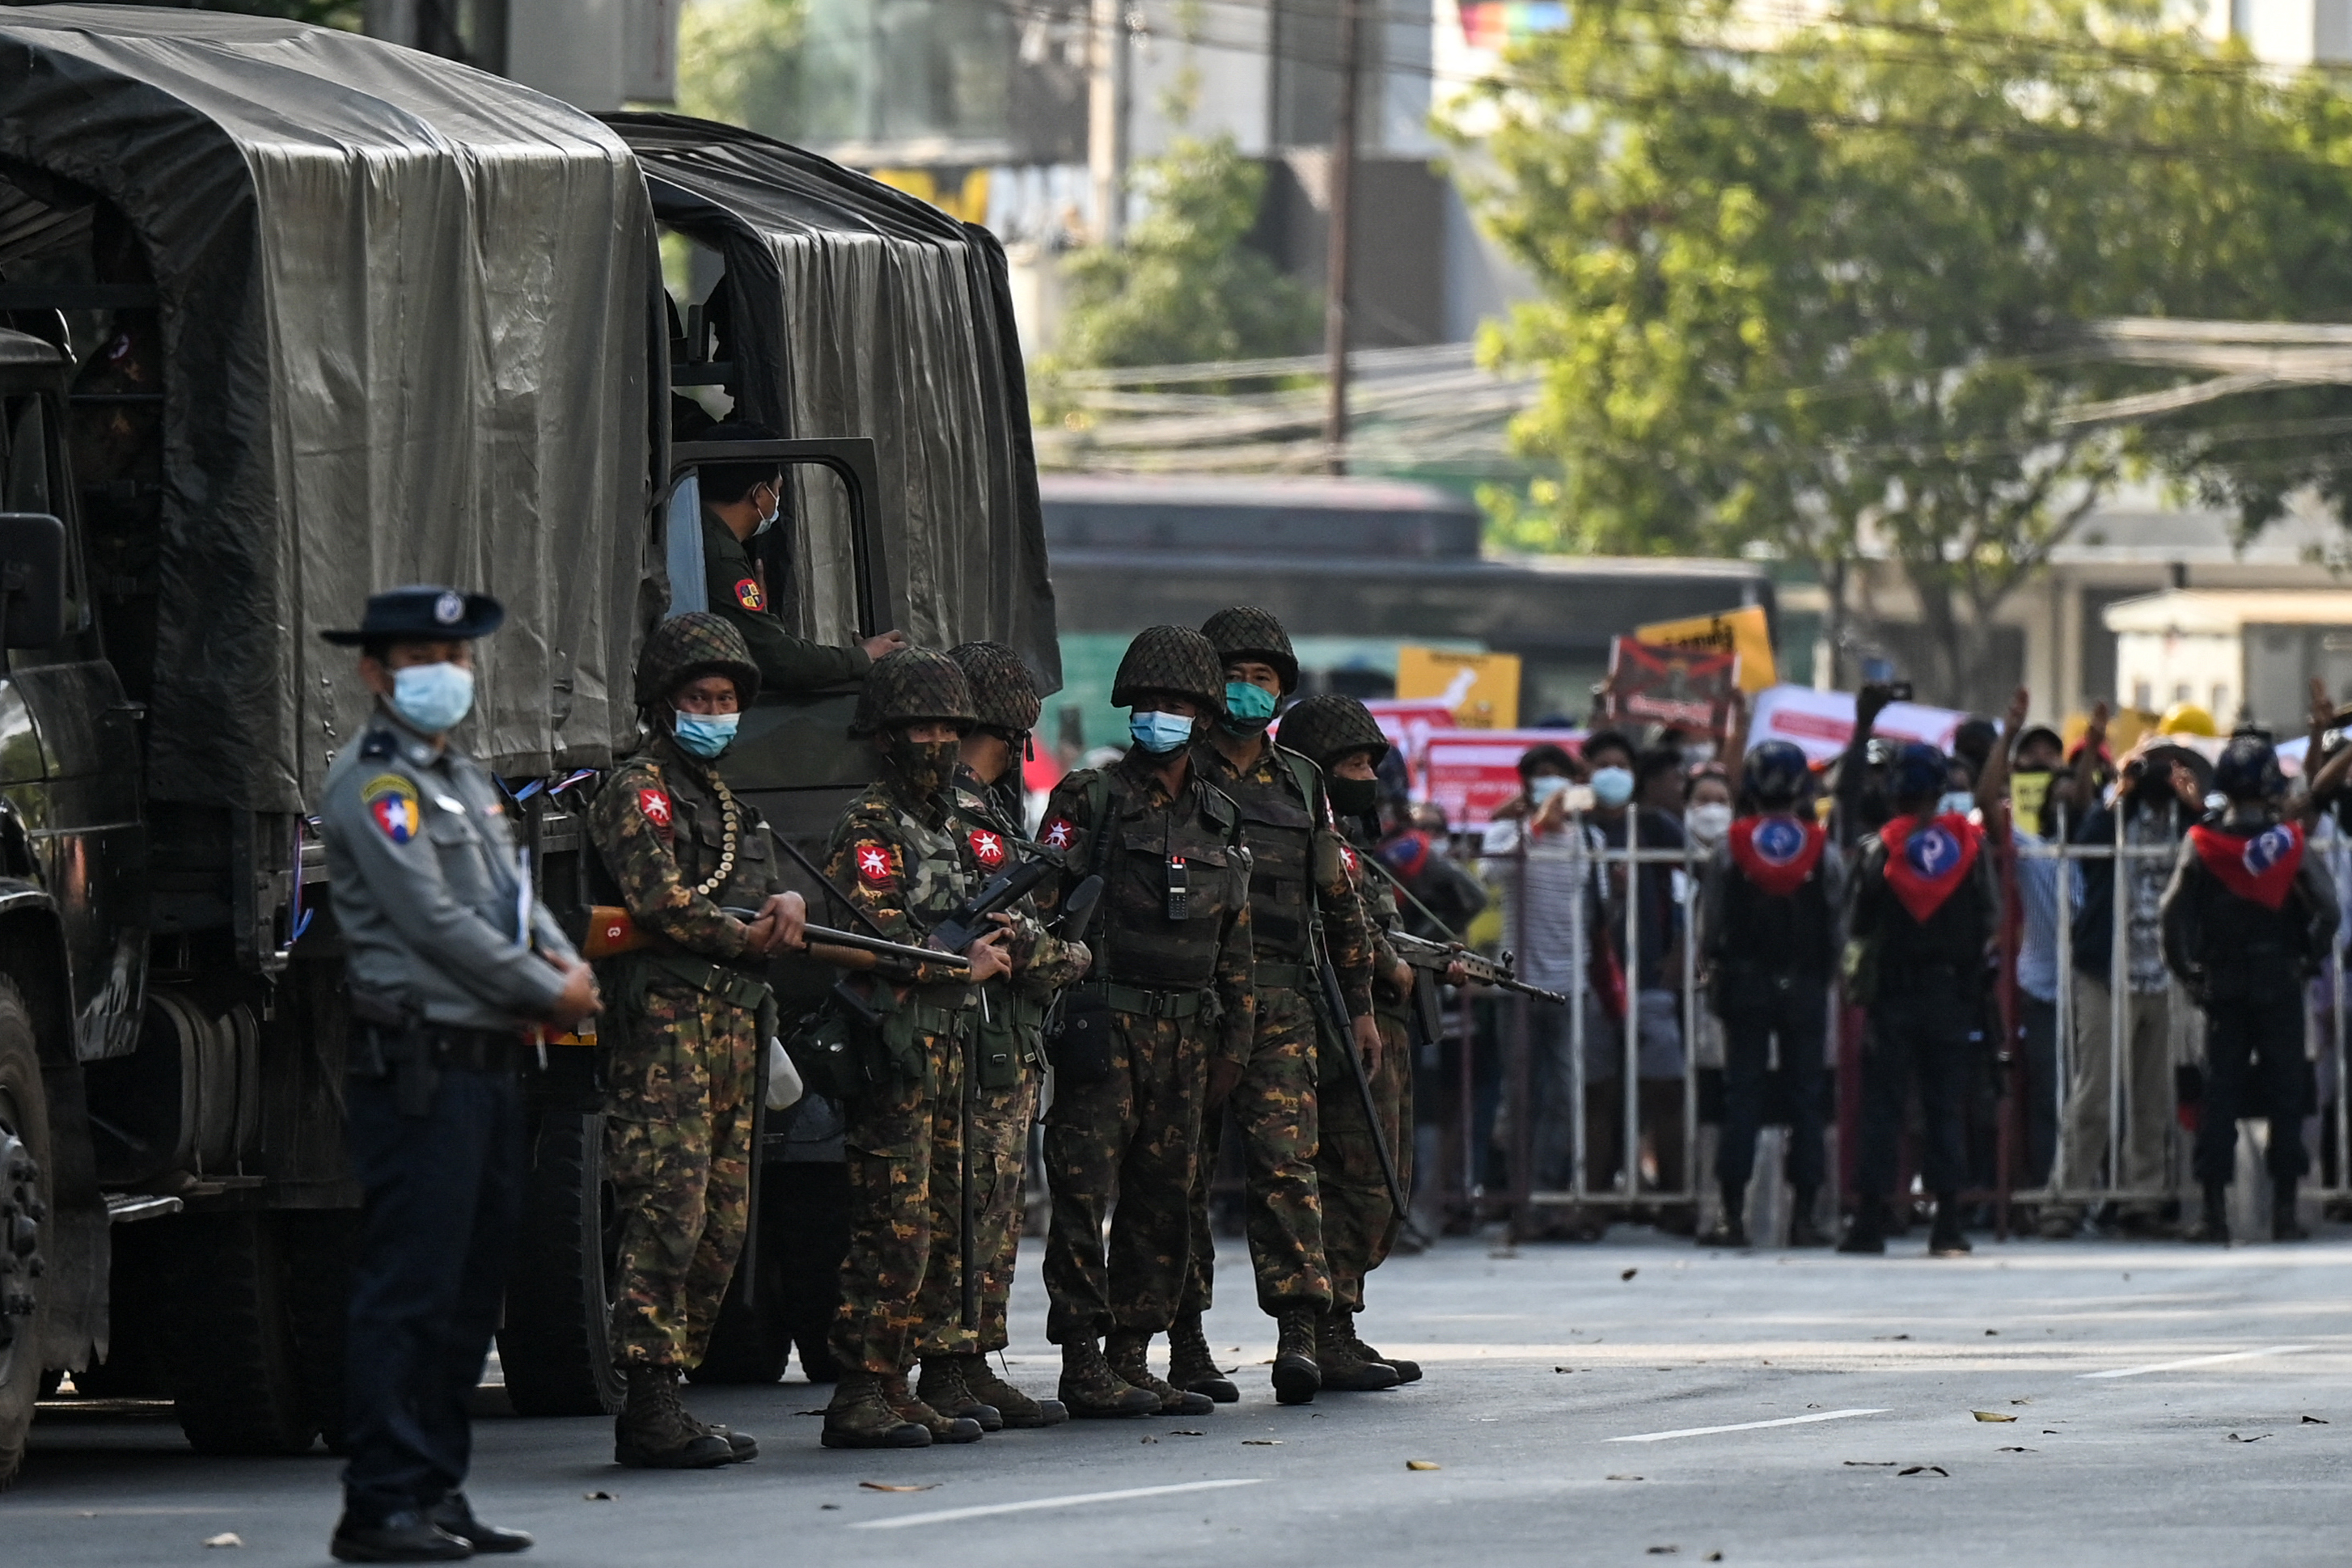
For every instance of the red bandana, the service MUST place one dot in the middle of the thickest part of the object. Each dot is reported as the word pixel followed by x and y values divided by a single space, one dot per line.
pixel 987 848
pixel 1776 853
pixel 748 594
pixel 2261 868
pixel 1922 866
pixel 877 865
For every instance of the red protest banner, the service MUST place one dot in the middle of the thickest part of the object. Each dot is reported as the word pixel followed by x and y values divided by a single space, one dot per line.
pixel 1686 688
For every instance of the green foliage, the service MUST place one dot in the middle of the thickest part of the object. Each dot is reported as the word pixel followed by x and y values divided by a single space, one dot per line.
pixel 1185 289
pixel 1804 289
pixel 347 14
pixel 738 61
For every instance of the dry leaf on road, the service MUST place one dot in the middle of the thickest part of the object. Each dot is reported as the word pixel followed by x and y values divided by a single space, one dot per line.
pixel 1423 1465
pixel 226 1538
pixel 892 1486
pixel 1990 1415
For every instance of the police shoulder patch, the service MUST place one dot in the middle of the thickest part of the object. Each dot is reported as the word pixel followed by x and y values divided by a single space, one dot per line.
pixel 391 803
pixel 748 594
pixel 877 863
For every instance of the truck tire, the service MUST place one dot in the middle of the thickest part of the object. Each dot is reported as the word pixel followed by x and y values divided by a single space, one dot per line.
pixel 24 1209
pixel 556 1344
pixel 236 1367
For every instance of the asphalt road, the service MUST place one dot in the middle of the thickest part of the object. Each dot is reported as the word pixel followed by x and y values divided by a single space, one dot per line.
pixel 1632 1401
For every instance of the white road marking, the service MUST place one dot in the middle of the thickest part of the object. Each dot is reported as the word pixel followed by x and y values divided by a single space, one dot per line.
pixel 941 1515
pixel 2199 1360
pixel 1746 1425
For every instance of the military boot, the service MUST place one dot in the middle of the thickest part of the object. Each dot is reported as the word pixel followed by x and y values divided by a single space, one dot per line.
pixel 943 1389
pixel 1093 1391
pixel 1191 1367
pixel 943 1427
pixel 1945 1239
pixel 1296 1375
pixel 653 1431
pixel 1406 1371
pixel 860 1417
pixel 2284 1225
pixel 1338 1363
pixel 1866 1232
pixel 1128 1350
pixel 2213 1225
pixel 1803 1231
pixel 1017 1407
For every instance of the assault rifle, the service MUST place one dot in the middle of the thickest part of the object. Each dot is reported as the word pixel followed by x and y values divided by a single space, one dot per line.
pixel 611 931
pixel 1477 968
pixel 970 921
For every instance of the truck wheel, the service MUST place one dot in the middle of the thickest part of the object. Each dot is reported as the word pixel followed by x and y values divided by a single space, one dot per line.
pixel 319 1244
pixel 24 1208
pixel 236 1369
pixel 556 1344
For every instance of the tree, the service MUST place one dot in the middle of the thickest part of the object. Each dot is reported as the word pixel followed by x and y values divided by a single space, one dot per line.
pixel 1803 290
pixel 1186 287
pixel 738 61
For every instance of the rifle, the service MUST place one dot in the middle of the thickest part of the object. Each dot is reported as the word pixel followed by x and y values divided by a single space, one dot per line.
pixel 1335 1002
pixel 611 931
pixel 1477 968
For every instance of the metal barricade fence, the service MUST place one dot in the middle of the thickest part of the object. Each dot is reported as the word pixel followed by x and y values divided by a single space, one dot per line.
pixel 1537 1069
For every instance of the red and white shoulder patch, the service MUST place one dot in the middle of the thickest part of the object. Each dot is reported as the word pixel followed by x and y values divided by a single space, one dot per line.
pixel 1059 834
pixel 654 805
pixel 987 848
pixel 877 864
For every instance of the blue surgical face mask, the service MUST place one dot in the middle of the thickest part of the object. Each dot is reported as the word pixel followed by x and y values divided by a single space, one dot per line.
pixel 1544 786
pixel 1160 732
pixel 432 697
pixel 1955 800
pixel 768 519
pixel 704 734
pixel 1247 707
pixel 1613 787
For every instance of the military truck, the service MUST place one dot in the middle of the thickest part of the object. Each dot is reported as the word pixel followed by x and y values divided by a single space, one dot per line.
pixel 287 315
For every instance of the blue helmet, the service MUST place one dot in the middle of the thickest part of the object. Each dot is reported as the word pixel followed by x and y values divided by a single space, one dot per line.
pixel 1776 772
pixel 2249 769
pixel 1919 770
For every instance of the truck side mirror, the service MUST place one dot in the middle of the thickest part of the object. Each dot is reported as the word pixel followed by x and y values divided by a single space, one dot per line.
pixel 32 580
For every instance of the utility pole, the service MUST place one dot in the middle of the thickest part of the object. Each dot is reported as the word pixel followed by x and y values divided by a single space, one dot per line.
pixel 1109 86
pixel 1334 279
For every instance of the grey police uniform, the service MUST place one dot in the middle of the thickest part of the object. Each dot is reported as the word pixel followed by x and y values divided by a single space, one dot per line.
pixel 429 892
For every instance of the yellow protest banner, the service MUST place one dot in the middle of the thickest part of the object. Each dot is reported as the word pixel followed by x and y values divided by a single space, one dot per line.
pixel 1482 689
pixel 1744 632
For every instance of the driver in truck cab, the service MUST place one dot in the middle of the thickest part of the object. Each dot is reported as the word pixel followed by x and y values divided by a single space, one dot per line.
pixel 740 501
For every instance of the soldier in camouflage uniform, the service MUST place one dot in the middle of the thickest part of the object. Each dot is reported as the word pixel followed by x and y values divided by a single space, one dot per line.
pixel 1361 1222
pixel 1009 1060
pixel 684 1043
pixel 896 853
pixel 1170 987
pixel 1298 888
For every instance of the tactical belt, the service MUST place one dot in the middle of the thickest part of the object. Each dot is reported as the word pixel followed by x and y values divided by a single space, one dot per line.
pixel 1285 976
pixel 721 980
pixel 447 1045
pixel 1146 1004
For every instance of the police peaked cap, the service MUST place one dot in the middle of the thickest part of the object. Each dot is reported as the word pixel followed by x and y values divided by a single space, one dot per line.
pixel 1245 632
pixel 1170 659
pixel 1326 727
pixel 422 612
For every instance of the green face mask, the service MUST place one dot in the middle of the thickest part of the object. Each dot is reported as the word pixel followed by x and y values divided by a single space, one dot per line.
pixel 1248 707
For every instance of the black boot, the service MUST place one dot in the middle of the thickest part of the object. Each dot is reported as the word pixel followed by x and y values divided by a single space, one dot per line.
pixel 405 1537
pixel 653 1431
pixel 1191 1367
pixel 860 1416
pixel 1945 1239
pixel 1091 1391
pixel 1802 1230
pixel 1406 1371
pixel 455 1515
pixel 1340 1364
pixel 1731 1230
pixel 1296 1375
pixel 1866 1231
pixel 2283 1226
pixel 1017 1407
pixel 2211 1227
pixel 942 1386
pixel 1128 1350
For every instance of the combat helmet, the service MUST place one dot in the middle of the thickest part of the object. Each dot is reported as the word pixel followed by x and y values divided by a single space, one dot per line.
pixel 687 647
pixel 1326 727
pixel 1775 772
pixel 1170 659
pixel 911 686
pixel 1245 632
pixel 2249 768
pixel 1002 694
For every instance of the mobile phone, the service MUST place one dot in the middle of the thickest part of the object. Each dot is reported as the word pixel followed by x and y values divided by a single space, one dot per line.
pixel 1898 691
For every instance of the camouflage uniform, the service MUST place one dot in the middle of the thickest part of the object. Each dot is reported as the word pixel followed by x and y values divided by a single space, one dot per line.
pixel 1360 1223
pixel 1293 848
pixel 1008 1064
pixel 683 1037
pixel 1126 1149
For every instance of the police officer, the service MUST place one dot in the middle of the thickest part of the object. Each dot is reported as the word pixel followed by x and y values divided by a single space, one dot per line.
pixel 1770 902
pixel 898 855
pixel 1361 1219
pixel 1921 919
pixel 1170 990
pixel 1300 905
pixel 1007 1062
pixel 2248 919
pixel 449 961
pixel 692 1014
pixel 741 501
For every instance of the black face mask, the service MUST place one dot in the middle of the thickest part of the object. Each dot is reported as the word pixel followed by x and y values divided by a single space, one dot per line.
pixel 1353 797
pixel 925 766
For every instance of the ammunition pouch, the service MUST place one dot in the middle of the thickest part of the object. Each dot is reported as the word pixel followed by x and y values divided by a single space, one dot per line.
pixel 1009 1039
pixel 860 1041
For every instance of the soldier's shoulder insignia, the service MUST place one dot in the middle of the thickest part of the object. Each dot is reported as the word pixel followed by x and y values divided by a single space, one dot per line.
pixel 1347 860
pixel 379 745
pixel 391 803
pixel 987 847
pixel 877 863
pixel 654 806
pixel 747 593
pixel 1058 833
